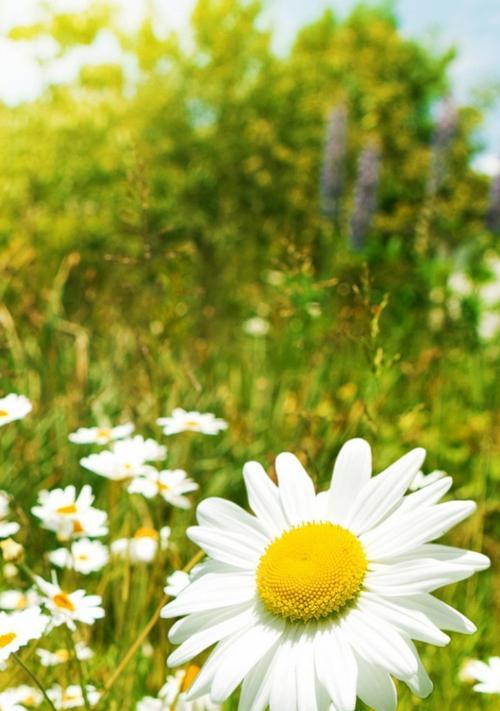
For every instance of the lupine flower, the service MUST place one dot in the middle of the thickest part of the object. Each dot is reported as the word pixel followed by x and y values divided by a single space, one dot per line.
pixel 126 459
pixel 486 673
pixel 365 196
pixel 18 599
pixel 71 697
pixel 66 608
pixel 101 435
pixel 84 556
pixel 20 697
pixel 192 421
pixel 171 484
pixel 176 581
pixel 315 599
pixel 61 656
pixel 19 628
pixel 13 407
pixel 143 546
pixel 334 154
pixel 69 515
pixel 422 479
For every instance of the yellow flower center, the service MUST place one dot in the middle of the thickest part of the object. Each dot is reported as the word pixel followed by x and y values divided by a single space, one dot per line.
pixel 4 413
pixel 192 424
pixel 146 533
pixel 6 639
pixel 67 510
pixel 103 433
pixel 62 655
pixel 62 600
pixel 77 527
pixel 190 675
pixel 311 572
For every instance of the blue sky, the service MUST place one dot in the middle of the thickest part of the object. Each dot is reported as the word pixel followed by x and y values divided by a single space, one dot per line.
pixel 473 26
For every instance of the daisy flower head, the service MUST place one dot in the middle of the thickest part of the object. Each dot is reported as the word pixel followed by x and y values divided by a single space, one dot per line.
pixel 13 407
pixel 18 599
pixel 126 459
pixel 71 697
pixel 422 479
pixel 67 608
pixel 182 421
pixel 84 556
pixel 8 528
pixel 315 599
pixel 69 515
pixel 19 628
pixel 63 655
pixel 171 484
pixel 20 697
pixel 486 673
pixel 101 435
pixel 176 582
pixel 143 546
pixel 256 326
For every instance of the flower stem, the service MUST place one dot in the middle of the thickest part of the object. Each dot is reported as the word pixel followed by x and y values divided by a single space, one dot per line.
pixel 34 680
pixel 79 666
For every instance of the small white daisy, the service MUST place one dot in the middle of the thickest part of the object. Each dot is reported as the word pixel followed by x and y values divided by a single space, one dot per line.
pixel 19 628
pixel 66 608
pixel 101 435
pixel 422 479
pixel 8 528
pixel 20 697
pixel 18 599
pixel 69 515
pixel 126 459
pixel 486 673
pixel 171 484
pixel 143 546
pixel 71 697
pixel 176 582
pixel 256 326
pixel 84 556
pixel 183 421
pixel 61 656
pixel 316 599
pixel 13 407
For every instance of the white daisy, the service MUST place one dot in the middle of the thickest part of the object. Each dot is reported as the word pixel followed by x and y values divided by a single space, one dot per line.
pixel 18 599
pixel 84 556
pixel 486 673
pixel 182 421
pixel 422 479
pixel 19 628
pixel 71 697
pixel 315 599
pixel 143 546
pixel 101 435
pixel 256 326
pixel 8 529
pixel 126 459
pixel 13 407
pixel 66 608
pixel 61 656
pixel 20 697
pixel 69 515
pixel 171 484
pixel 176 581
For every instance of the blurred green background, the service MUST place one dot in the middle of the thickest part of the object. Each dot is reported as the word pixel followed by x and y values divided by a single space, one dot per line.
pixel 155 204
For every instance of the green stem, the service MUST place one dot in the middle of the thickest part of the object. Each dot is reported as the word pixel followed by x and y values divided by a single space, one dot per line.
pixel 34 680
pixel 79 666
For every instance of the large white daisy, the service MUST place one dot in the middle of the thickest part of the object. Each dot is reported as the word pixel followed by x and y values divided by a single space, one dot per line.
pixel 316 599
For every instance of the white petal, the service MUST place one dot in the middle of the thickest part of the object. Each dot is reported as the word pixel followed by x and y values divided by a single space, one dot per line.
pixel 414 577
pixel 352 470
pixel 283 690
pixel 379 643
pixel 256 687
pixel 191 624
pixel 441 614
pixel 242 656
pixel 420 684
pixel 264 499
pixel 384 492
pixel 211 592
pixel 305 670
pixel 220 513
pixel 400 534
pixel 336 667
pixel 296 489
pixel 410 622
pixel 227 547
pixel 449 554
pixel 375 687
pixel 205 638
pixel 203 680
pixel 427 496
